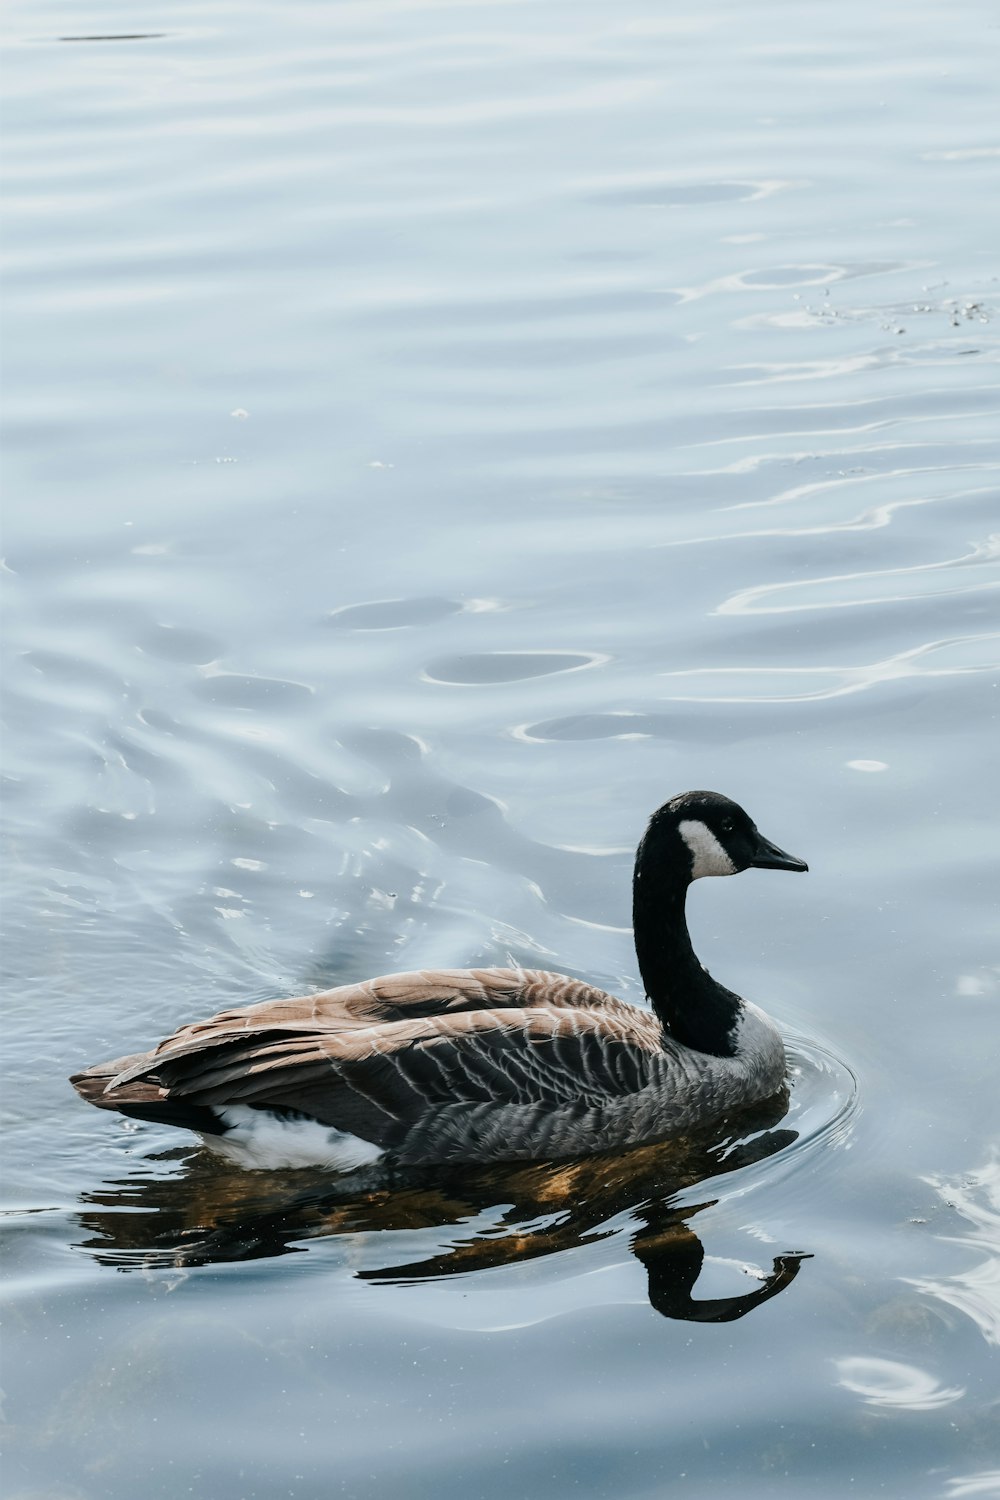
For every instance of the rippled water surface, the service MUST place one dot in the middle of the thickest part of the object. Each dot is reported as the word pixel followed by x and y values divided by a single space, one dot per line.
pixel 434 434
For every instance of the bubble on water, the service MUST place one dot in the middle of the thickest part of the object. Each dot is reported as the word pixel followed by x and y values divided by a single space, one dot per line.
pixel 867 765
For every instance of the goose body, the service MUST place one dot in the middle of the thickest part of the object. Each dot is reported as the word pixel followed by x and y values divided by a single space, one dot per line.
pixel 482 1064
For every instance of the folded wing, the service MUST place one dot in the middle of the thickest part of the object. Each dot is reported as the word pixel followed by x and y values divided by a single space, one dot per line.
pixel 388 1059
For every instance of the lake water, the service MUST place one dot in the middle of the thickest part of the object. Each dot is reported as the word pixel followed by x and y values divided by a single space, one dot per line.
pixel 436 433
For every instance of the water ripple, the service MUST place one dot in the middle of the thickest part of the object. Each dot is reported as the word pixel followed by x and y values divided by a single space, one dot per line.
pixel 975 1292
pixel 970 572
pixel 945 658
pixel 507 666
pixel 887 1382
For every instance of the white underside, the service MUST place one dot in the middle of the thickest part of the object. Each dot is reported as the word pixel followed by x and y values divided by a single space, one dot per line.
pixel 266 1142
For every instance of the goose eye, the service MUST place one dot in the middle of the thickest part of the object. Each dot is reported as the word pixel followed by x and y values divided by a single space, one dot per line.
pixel 728 825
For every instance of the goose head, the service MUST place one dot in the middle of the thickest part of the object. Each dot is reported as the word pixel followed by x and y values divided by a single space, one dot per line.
pixel 705 833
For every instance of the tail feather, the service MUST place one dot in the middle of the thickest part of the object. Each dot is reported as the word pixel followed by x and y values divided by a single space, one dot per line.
pixel 142 1099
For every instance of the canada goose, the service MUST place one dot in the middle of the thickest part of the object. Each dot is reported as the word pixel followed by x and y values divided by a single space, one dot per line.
pixel 482 1064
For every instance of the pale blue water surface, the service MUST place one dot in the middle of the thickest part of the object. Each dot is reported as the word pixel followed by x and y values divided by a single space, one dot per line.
pixel 435 433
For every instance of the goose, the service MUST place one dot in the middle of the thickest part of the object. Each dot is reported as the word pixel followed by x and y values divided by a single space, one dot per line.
pixel 482 1065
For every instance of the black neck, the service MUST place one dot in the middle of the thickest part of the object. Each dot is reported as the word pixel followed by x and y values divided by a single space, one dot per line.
pixel 689 1003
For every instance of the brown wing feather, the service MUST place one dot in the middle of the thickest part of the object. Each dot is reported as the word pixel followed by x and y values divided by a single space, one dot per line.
pixel 389 998
pixel 564 1044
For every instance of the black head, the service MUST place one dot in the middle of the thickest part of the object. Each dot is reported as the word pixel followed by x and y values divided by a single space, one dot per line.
pixel 715 836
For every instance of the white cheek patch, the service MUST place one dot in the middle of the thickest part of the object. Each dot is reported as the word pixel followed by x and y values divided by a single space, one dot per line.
pixel 707 855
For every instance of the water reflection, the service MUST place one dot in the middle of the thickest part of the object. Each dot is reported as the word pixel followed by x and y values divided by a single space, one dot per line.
pixel 472 1219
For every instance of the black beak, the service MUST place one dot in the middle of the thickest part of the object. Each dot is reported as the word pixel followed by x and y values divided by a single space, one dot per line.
pixel 768 856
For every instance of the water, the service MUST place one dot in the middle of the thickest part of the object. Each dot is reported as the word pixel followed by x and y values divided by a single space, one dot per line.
pixel 436 433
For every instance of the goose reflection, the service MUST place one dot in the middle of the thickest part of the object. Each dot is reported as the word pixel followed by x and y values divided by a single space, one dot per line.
pixel 207 1213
